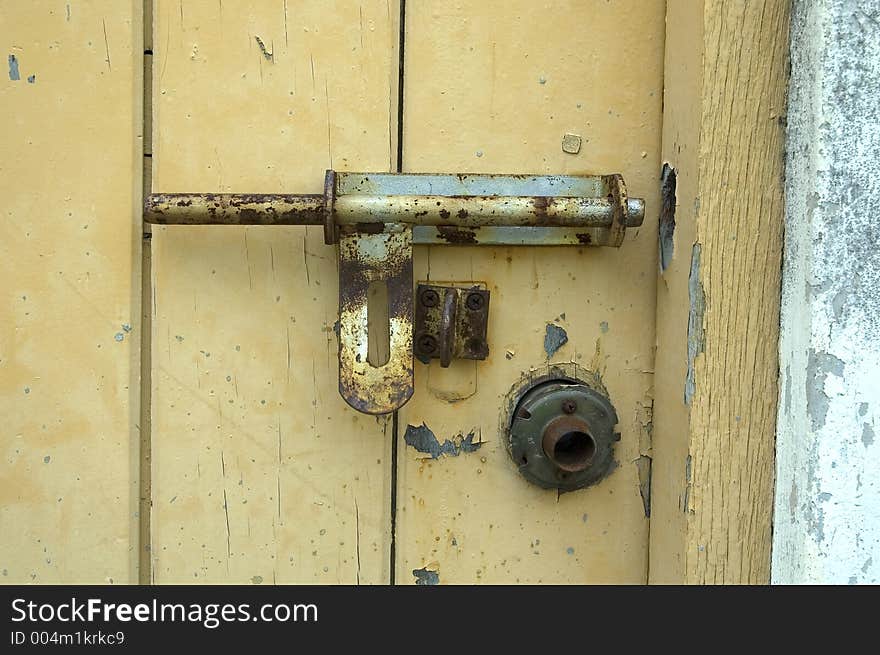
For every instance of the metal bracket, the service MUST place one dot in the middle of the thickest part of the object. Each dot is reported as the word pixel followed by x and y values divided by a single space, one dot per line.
pixel 451 323
pixel 377 217
pixel 366 258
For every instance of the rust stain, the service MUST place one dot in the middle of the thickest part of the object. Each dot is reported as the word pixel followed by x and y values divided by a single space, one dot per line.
pixel 457 235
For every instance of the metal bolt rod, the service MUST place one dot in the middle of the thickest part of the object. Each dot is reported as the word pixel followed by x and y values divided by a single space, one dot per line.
pixel 453 211
pixel 480 211
pixel 234 209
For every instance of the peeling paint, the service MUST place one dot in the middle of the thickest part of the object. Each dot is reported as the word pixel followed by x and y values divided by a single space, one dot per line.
pixel 13 69
pixel 667 215
pixel 425 576
pixel 644 462
pixel 695 336
pixel 819 366
pixel 643 466
pixel 867 435
pixel 269 56
pixel 686 496
pixel 554 338
pixel 423 439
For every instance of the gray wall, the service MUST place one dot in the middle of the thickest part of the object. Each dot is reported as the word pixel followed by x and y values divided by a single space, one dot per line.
pixel 827 510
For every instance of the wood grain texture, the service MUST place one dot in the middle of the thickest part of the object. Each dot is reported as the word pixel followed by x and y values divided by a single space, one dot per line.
pixel 487 92
pixel 70 187
pixel 718 302
pixel 261 473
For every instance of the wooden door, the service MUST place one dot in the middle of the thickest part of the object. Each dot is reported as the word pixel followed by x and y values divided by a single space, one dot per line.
pixel 70 234
pixel 260 472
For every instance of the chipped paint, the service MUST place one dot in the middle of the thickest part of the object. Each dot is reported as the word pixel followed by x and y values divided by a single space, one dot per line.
pixel 14 75
pixel 819 366
pixel 267 54
pixel 695 336
pixel 554 338
pixel 867 434
pixel 426 576
pixel 643 467
pixel 644 462
pixel 423 439
pixel 666 240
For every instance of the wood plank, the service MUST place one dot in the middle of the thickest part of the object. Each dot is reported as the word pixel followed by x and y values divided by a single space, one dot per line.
pixel 486 91
pixel 70 187
pixel 250 437
pixel 718 301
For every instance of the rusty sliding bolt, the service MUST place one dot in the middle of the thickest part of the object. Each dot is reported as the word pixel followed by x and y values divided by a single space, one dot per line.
pixel 450 211
pixel 366 212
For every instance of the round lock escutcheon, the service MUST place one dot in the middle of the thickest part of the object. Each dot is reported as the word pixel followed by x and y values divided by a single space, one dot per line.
pixel 562 435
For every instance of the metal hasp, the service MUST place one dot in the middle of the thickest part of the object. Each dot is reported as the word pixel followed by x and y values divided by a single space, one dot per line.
pixel 562 434
pixel 376 218
pixel 451 323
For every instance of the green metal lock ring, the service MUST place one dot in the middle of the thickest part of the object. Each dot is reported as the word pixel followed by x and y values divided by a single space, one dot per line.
pixel 562 435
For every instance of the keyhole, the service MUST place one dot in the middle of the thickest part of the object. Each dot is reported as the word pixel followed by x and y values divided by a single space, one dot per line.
pixel 378 325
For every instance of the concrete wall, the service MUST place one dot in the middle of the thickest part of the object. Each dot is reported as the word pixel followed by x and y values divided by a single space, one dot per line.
pixel 827 514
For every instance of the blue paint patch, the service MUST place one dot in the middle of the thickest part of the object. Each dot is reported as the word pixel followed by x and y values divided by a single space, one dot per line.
pixel 119 336
pixel 695 336
pixel 426 577
pixel 554 338
pixel 423 439
pixel 32 79
pixel 14 75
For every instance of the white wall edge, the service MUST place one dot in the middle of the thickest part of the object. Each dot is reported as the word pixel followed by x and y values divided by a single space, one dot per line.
pixel 827 505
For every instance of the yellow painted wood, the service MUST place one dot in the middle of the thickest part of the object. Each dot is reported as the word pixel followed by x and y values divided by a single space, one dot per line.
pixel 70 186
pixel 724 132
pixel 493 87
pixel 261 473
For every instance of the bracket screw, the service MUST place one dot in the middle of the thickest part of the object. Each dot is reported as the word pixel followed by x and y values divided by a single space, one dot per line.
pixel 427 344
pixel 430 298
pixel 569 406
pixel 474 301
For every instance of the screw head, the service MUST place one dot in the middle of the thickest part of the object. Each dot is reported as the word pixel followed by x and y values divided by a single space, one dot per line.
pixel 427 344
pixel 474 301
pixel 429 298
pixel 569 406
